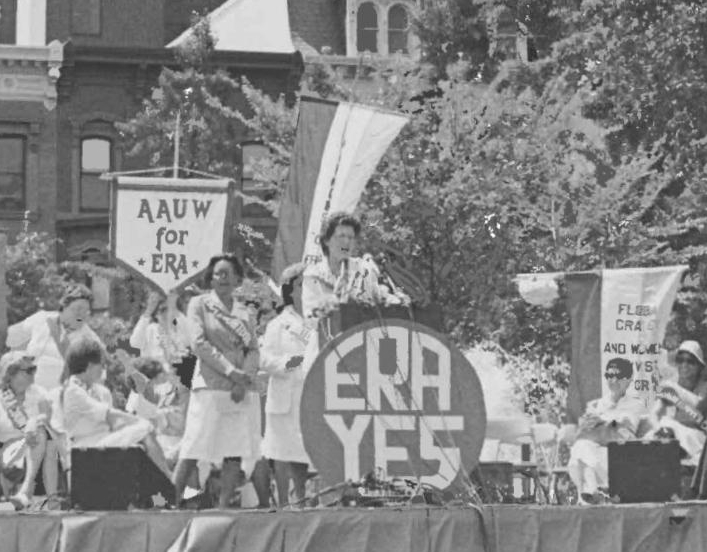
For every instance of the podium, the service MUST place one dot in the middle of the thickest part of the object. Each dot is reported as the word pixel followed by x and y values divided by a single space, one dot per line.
pixel 352 314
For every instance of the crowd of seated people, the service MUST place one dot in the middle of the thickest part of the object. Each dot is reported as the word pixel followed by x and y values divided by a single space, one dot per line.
pixel 677 414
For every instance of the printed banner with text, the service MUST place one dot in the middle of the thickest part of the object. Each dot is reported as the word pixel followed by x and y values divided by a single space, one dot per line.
pixel 167 229
pixel 619 313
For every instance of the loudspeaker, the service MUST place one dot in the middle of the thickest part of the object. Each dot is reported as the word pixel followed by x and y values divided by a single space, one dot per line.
pixel 116 479
pixel 644 471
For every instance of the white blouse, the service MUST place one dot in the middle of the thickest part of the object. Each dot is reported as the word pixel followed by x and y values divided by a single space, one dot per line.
pixel 33 335
pixel 150 338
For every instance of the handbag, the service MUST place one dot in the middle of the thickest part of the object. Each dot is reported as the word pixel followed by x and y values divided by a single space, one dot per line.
pixel 12 460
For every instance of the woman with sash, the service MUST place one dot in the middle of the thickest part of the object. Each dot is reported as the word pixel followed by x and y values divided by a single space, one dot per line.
pixel 25 428
pixel 679 411
pixel 223 417
pixel 46 335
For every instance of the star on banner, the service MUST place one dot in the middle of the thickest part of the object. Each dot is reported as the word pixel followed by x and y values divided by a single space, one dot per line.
pixel 195 264
pixel 141 262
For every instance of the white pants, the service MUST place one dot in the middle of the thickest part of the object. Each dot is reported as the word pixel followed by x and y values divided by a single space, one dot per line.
pixel 588 466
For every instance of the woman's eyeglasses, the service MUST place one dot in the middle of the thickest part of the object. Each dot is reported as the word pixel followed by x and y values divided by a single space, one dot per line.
pixel 30 370
pixel 612 375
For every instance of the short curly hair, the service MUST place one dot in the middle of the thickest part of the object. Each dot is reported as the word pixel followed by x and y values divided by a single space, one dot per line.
pixel 81 353
pixel 623 366
pixel 288 278
pixel 330 225
pixel 229 257
pixel 74 293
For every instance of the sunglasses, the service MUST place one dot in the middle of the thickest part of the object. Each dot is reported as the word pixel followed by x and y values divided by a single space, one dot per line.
pixel 686 359
pixel 612 375
pixel 31 370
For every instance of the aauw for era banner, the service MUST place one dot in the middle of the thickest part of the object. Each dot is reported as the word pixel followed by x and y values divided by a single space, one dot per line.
pixel 167 229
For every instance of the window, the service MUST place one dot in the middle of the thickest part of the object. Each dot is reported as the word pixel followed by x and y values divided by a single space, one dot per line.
pixel 252 207
pixel 398 30
pixel 96 158
pixel 252 153
pixel 12 173
pixel 86 17
pixel 367 28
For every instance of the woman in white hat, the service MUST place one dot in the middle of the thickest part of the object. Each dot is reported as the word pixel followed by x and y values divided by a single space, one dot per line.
pixel 677 412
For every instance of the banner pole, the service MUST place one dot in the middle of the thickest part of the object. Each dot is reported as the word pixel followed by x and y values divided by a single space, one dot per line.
pixel 177 133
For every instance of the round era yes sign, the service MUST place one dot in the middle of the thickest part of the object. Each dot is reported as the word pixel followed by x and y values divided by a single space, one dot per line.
pixel 395 395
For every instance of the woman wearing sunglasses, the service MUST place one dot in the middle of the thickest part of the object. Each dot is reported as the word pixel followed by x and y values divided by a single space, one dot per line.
pixel 25 430
pixel 677 412
pixel 614 417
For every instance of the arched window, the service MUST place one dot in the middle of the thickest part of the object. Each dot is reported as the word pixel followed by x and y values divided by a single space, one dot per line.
pixel 367 28
pixel 398 29
pixel 96 158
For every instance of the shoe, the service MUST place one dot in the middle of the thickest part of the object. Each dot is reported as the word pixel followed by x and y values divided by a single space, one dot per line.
pixel 20 501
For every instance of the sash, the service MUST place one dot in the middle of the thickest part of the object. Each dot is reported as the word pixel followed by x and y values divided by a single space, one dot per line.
pixel 232 323
pixel 15 410
pixel 55 331
pixel 684 401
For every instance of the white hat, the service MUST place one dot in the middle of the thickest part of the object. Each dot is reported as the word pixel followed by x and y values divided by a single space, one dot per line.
pixel 693 348
pixel 14 357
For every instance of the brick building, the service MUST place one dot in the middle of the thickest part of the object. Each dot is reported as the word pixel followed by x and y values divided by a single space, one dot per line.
pixel 59 103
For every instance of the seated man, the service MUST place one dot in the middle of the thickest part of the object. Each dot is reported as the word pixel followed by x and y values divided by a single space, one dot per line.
pixel 89 418
pixel 614 417
pixel 677 410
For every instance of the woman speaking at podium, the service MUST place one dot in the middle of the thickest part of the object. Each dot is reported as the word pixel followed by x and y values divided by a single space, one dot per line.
pixel 339 277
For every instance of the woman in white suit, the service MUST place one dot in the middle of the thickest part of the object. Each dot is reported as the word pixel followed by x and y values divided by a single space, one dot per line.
pixel 282 353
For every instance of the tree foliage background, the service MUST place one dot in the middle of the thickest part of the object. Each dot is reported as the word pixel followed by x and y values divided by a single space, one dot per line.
pixel 592 155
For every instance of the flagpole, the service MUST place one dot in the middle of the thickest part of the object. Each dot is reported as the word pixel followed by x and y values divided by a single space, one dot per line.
pixel 177 136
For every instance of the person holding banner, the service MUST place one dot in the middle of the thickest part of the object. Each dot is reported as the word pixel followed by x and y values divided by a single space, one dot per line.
pixel 282 353
pixel 163 333
pixel 340 277
pixel 25 428
pixel 679 411
pixel 46 335
pixel 611 418
pixel 223 417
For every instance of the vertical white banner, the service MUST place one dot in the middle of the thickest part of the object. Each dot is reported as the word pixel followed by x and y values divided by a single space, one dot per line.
pixel 358 138
pixel 635 309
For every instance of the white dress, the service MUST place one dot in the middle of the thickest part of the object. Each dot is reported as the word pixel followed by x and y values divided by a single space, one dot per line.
pixel 216 426
pixel 285 336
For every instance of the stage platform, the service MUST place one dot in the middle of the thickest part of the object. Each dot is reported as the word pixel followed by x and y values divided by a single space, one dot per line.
pixel 493 528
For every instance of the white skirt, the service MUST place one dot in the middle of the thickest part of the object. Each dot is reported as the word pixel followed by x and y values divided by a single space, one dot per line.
pixel 218 428
pixel 283 439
